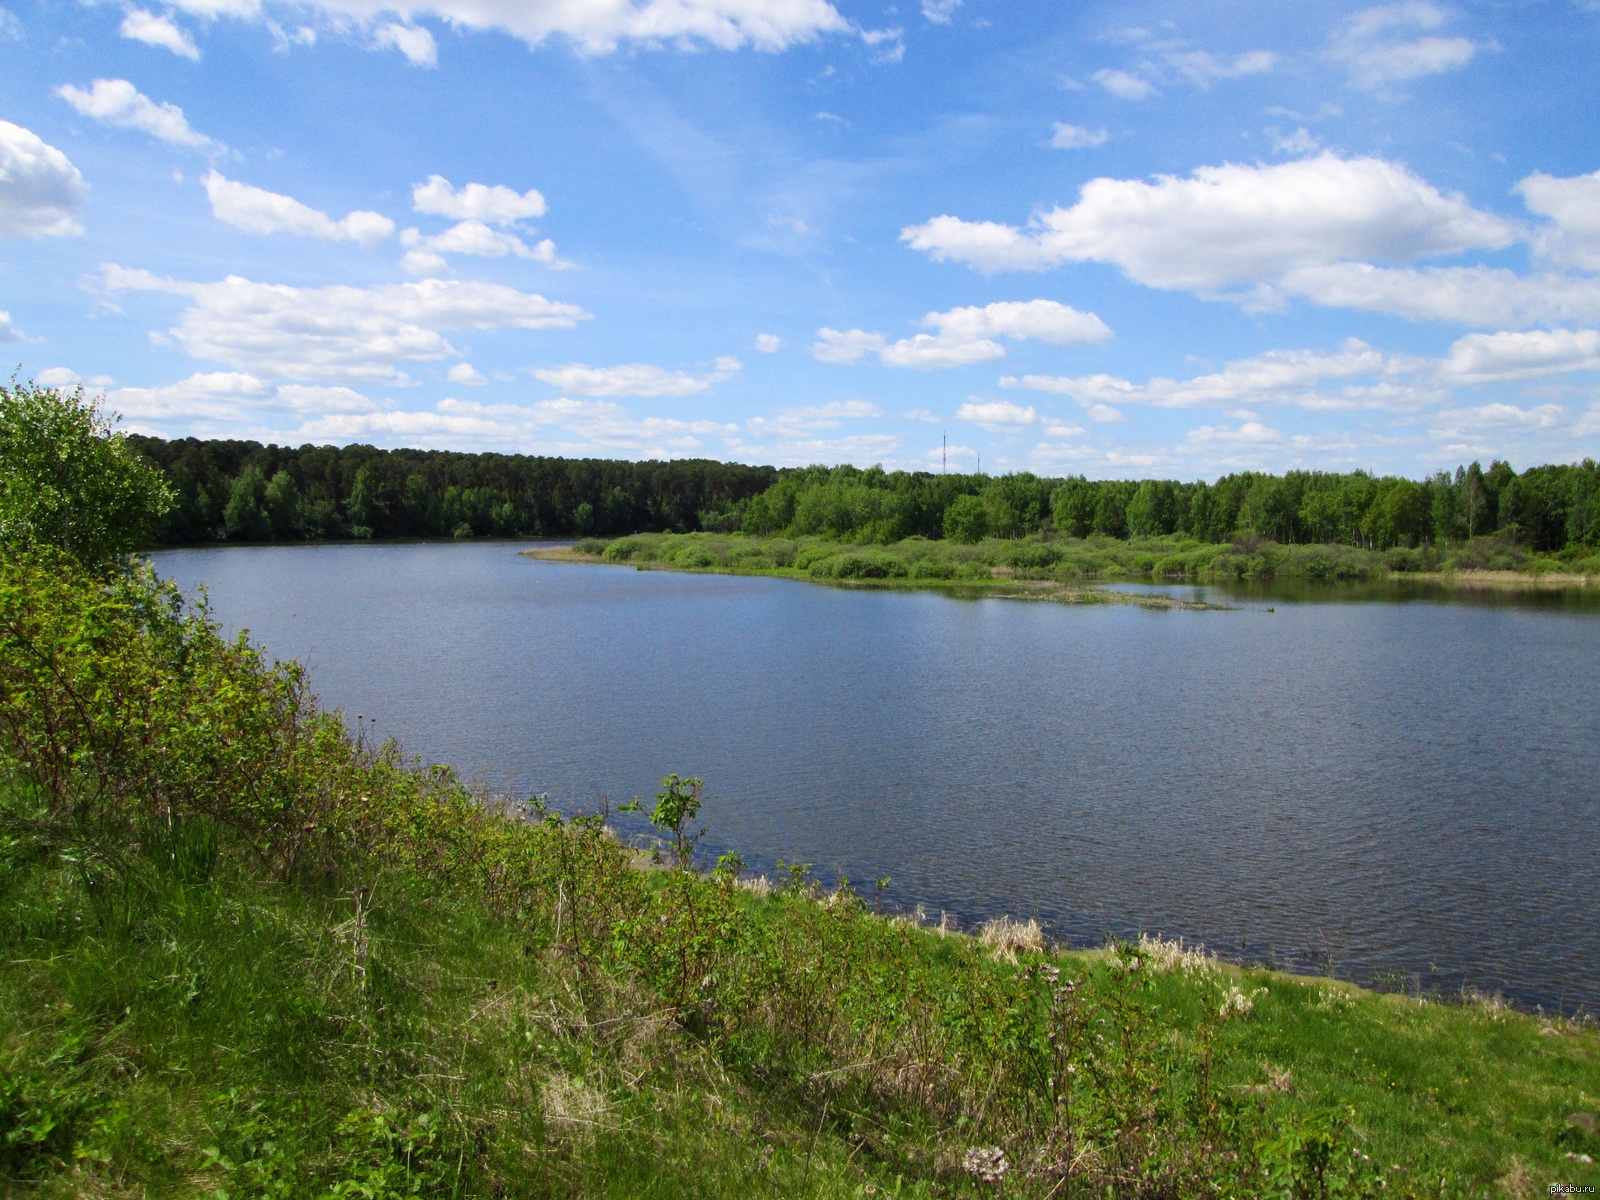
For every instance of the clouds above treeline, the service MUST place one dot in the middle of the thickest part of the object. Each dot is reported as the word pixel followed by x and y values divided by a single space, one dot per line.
pixel 1105 282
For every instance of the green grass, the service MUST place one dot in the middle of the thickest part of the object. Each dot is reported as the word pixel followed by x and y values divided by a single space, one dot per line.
pixel 210 1031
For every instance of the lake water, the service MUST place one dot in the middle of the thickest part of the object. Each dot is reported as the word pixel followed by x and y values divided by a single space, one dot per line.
pixel 1406 790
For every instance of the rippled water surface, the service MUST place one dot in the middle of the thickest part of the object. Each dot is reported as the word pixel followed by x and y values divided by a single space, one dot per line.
pixel 1406 789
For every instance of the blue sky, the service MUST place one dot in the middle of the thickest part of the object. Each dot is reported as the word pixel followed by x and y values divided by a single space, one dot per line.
pixel 1109 239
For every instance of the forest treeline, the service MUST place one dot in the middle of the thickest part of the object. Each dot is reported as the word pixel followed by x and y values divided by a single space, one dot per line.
pixel 245 491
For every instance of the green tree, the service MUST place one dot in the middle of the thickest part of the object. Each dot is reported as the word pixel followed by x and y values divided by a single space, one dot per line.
pixel 70 481
pixel 966 520
pixel 282 504
pixel 245 518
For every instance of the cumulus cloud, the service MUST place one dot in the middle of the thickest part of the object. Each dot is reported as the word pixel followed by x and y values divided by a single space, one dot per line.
pixel 997 416
pixel 845 346
pixel 966 335
pixel 940 11
pixel 1394 42
pixel 1202 68
pixel 1123 84
pixel 1362 377
pixel 118 103
pixel 40 190
pixel 1495 357
pixel 768 343
pixel 496 205
pixel 339 332
pixel 562 426
pixel 1078 137
pixel 1573 207
pixel 415 42
pixel 590 26
pixel 792 423
pixel 635 379
pixel 1229 225
pixel 8 331
pixel 1480 296
pixel 466 373
pixel 152 30
pixel 425 255
pixel 256 210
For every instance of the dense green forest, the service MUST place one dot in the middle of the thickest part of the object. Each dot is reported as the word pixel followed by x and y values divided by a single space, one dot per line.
pixel 244 491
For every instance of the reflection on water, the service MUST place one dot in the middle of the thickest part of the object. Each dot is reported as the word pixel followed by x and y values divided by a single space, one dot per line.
pixel 1403 790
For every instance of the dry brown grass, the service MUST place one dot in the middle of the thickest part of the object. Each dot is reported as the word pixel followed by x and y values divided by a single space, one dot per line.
pixel 1006 937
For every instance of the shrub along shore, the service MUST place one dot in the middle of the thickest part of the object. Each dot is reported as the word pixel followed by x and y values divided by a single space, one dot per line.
pixel 1061 566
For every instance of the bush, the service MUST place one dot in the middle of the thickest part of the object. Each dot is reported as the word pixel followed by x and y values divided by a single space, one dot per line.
pixel 589 545
pixel 68 482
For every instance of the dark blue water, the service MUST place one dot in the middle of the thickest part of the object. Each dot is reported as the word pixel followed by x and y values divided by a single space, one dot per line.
pixel 1406 791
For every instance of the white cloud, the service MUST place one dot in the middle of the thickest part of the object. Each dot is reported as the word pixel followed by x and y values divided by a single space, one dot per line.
pixel 845 346
pixel 920 414
pixel 997 416
pixel 861 449
pixel 1501 418
pixel 591 427
pixel 768 343
pixel 1481 296
pixel 799 422
pixel 1573 206
pixel 940 11
pixel 1394 382
pixel 65 376
pixel 966 335
pixel 1203 68
pixel 256 210
pixel 1379 45
pixel 1121 83
pixel 10 27
pixel 211 396
pixel 1078 137
pixel 1249 433
pixel 1301 141
pixel 635 379
pixel 117 102
pixel 592 26
pixel 496 205
pixel 8 331
pixel 40 190
pixel 1283 376
pixel 152 30
pixel 340 332
pixel 466 373
pixel 1229 225
pixel 1495 357
pixel 1104 413
pixel 425 255
pixel 415 42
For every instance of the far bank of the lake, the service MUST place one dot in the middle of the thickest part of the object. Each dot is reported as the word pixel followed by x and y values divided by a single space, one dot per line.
pixel 1066 570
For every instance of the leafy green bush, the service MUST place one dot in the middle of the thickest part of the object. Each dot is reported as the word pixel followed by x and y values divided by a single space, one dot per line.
pixel 69 482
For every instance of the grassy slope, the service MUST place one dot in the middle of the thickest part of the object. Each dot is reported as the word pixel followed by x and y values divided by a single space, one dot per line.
pixel 240 1034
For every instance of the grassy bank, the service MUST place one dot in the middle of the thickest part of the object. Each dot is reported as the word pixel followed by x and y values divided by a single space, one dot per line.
pixel 1067 564
pixel 247 954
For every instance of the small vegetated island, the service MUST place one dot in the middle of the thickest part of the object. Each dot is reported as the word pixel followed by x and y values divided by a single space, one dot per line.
pixel 250 953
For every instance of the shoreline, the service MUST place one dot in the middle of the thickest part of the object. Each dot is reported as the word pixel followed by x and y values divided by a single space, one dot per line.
pixel 962 589
pixel 1006 584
